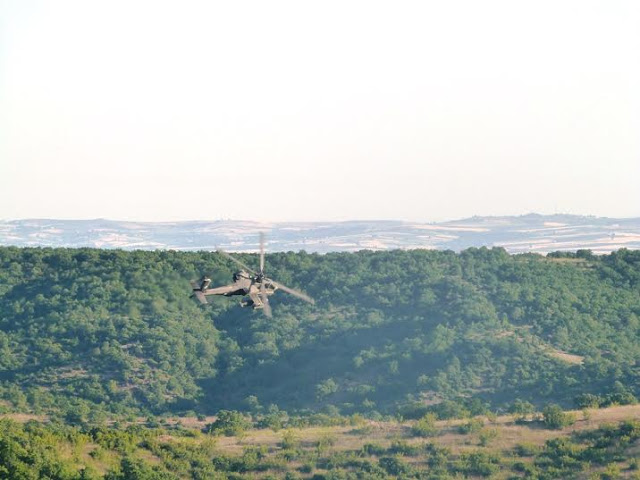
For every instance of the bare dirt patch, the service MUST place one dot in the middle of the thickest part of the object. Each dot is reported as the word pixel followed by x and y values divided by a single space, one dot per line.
pixel 565 357
pixel 24 417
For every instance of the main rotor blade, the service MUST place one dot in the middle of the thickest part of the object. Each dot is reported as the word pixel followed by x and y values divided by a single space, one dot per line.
pixel 233 259
pixel 265 299
pixel 262 252
pixel 295 293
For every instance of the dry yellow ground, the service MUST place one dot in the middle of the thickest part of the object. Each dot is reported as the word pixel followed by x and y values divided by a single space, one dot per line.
pixel 384 433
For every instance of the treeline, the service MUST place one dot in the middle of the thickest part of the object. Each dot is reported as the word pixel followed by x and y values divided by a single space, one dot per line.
pixel 90 334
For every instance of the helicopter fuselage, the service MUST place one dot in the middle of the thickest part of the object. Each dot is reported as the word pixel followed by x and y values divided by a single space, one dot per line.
pixel 254 285
pixel 243 284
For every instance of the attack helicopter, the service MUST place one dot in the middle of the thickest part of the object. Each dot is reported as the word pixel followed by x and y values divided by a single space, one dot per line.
pixel 254 286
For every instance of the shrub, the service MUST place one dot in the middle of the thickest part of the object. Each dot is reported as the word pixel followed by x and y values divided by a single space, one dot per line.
pixel 373 449
pixel 394 466
pixel 400 447
pixel 486 435
pixel 229 423
pixel 555 418
pixel 527 449
pixel 587 400
pixel 289 440
pixel 426 426
pixel 472 426
pixel 521 410
pixel 478 463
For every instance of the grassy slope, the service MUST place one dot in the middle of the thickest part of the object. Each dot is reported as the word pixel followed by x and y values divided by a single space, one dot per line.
pixel 347 439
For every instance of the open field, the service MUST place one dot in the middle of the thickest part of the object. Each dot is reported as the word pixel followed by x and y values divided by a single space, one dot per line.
pixel 384 433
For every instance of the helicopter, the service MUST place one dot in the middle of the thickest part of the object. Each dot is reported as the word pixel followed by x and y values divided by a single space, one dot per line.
pixel 254 286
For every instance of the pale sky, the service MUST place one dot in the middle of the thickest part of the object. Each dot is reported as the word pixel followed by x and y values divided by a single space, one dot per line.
pixel 318 110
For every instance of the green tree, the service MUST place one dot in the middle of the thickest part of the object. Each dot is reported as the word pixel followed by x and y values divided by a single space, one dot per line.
pixel 229 423
pixel 426 426
pixel 554 417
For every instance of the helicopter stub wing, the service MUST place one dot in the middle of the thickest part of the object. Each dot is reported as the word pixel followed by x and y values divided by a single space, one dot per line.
pixel 200 296
pixel 224 290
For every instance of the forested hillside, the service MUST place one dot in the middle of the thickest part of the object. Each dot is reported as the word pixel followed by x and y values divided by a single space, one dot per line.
pixel 88 334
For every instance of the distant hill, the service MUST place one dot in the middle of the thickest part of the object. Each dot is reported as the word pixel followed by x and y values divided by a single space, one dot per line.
pixel 517 234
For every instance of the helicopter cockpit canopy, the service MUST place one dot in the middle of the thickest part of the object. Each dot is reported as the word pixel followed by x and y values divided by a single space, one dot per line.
pixel 240 274
pixel 204 283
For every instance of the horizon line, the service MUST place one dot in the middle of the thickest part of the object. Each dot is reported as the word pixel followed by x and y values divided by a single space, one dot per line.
pixel 353 220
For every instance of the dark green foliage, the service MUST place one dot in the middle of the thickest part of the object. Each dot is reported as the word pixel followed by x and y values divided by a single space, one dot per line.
pixel 395 466
pixel 587 400
pixel 87 335
pixel 563 457
pixel 228 423
pixel 29 453
pixel 620 397
pixel 113 329
pixel 132 469
pixel 401 447
pixel 478 463
pixel 275 419
pixel 554 417
pixel 373 449
pixel 521 408
pixel 472 426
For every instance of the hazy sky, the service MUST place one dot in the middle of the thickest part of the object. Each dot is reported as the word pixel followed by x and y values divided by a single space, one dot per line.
pixel 320 110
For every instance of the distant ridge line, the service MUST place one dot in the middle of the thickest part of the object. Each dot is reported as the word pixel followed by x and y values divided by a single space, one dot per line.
pixel 517 234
